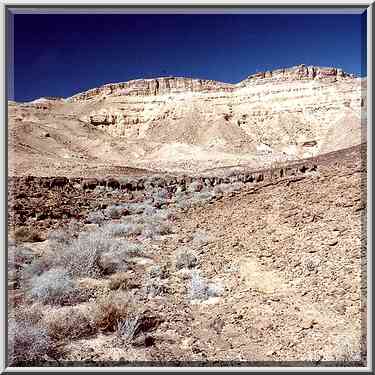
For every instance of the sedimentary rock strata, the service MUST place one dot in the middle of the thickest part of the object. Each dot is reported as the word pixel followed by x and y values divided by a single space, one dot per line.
pixel 184 124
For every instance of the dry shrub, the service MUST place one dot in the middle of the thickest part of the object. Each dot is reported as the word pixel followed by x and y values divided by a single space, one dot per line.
pixel 69 323
pixel 110 310
pixel 25 234
pixel 28 343
pixel 120 280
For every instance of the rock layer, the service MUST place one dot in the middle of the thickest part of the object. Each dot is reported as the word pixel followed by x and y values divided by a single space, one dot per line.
pixel 184 124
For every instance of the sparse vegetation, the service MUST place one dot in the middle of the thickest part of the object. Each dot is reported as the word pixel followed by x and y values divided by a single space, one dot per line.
pixel 53 287
pixel 28 343
pixel 110 309
pixel 81 257
pixel 95 217
pixel 128 328
pixel 201 290
pixel 60 236
pixel 68 323
pixel 155 287
pixel 27 234
pixel 123 229
pixel 185 258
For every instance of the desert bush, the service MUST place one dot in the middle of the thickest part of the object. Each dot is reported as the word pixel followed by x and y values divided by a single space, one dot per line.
pixel 150 211
pixel 28 313
pixel 198 287
pixel 161 194
pixel 165 214
pixel 110 310
pixel 157 228
pixel 54 286
pixel 201 290
pixel 95 217
pixel 39 265
pixel 220 189
pixel 237 186
pixel 81 257
pixel 123 229
pixel 27 343
pixel 69 323
pixel 25 234
pixel 184 203
pixel 116 259
pixel 185 258
pixel 137 208
pixel 202 197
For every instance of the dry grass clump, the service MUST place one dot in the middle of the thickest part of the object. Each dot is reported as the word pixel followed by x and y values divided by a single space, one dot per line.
pixel 38 266
pixel 26 234
pixel 69 323
pixel 122 281
pixel 137 326
pixel 109 310
pixel 161 272
pixel 32 313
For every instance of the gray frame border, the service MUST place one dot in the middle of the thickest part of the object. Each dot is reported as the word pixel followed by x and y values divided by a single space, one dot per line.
pixel 147 7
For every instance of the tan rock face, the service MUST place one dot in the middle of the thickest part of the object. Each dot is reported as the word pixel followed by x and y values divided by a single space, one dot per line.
pixel 185 124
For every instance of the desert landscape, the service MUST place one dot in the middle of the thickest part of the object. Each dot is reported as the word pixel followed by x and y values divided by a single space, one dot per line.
pixel 187 222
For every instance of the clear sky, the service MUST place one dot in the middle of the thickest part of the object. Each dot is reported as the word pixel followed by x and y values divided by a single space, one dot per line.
pixel 60 55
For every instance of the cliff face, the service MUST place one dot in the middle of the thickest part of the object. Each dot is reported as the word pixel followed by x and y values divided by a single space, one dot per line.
pixel 156 86
pixel 182 123
pixel 300 72
pixel 172 85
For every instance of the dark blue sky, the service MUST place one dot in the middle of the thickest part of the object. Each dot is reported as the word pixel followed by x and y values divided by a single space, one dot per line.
pixel 59 55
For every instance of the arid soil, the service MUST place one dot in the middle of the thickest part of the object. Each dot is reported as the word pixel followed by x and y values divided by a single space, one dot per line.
pixel 270 273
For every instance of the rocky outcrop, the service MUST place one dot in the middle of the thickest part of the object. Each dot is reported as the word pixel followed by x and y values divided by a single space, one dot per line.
pixel 152 87
pixel 299 72
pixel 172 85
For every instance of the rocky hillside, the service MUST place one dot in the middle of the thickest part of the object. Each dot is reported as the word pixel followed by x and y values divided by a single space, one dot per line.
pixel 184 124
